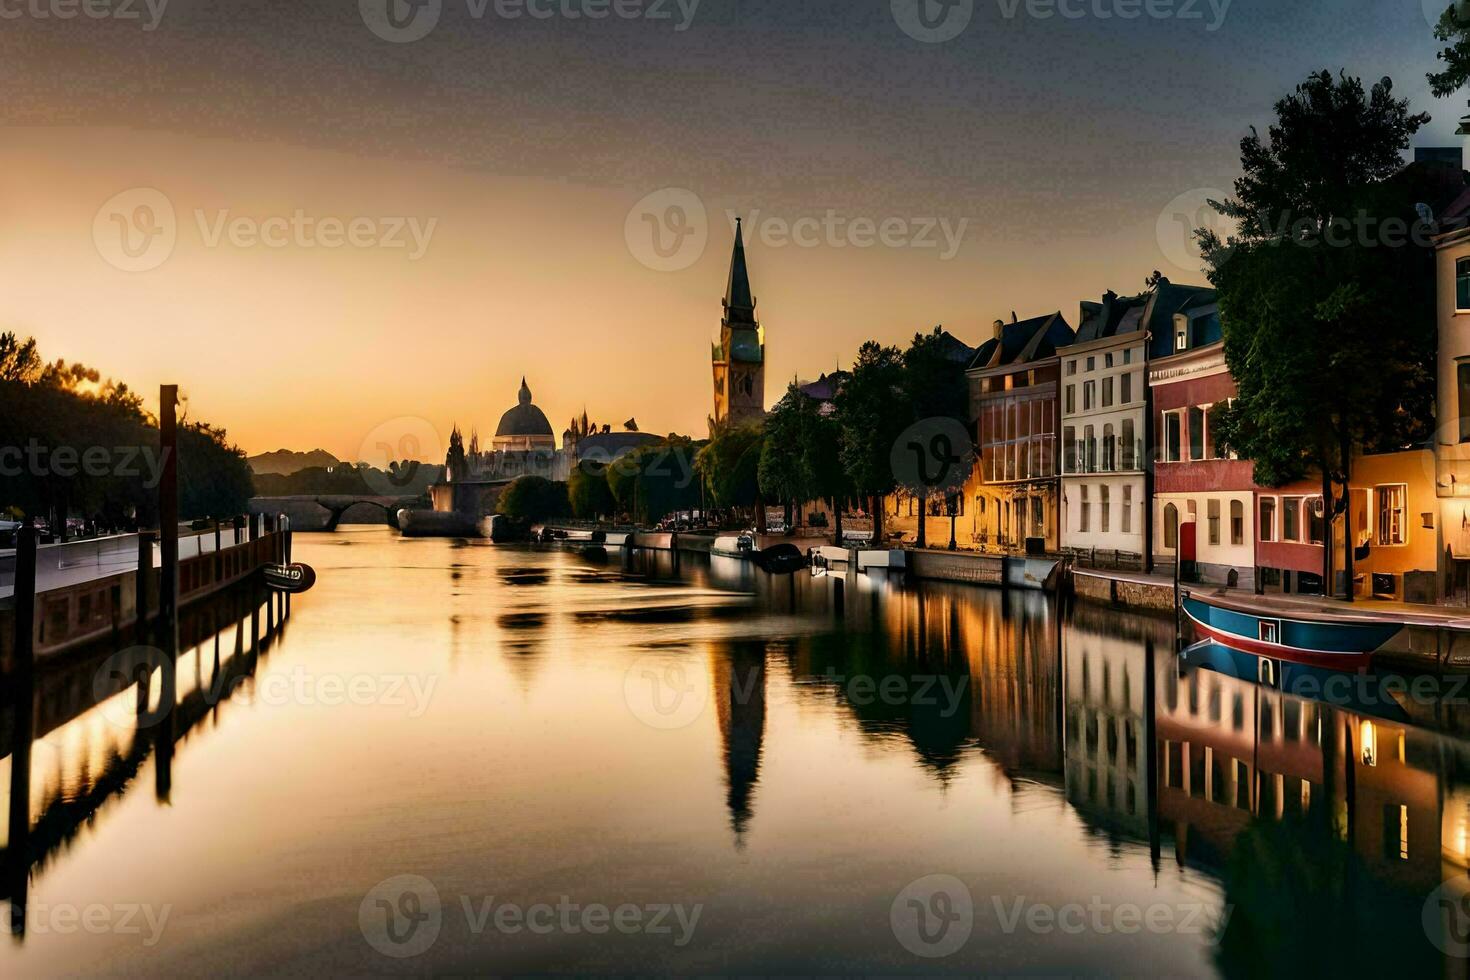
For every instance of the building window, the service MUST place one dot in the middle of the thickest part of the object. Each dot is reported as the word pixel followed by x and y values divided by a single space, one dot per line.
pixel 1089 447
pixel 1071 367
pixel 1316 521
pixel 1104 506
pixel 1391 506
pixel 1085 524
pixel 1213 510
pixel 1129 456
pixel 1268 518
pixel 1107 392
pixel 1127 398
pixel 1237 522
pixel 1172 437
pixel 1462 285
pixel 1110 449
pixel 1069 449
pixel 1196 433
pixel 1091 363
pixel 1089 395
pixel 1462 375
pixel 1181 337
pixel 1128 355
pixel 1071 399
pixel 1128 510
pixel 1171 527
pixel 1291 518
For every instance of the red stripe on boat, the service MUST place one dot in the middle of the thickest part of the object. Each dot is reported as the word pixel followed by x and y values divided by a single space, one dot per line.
pixel 1275 651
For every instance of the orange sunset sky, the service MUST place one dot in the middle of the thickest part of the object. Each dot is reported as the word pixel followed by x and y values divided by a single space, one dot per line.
pixel 527 145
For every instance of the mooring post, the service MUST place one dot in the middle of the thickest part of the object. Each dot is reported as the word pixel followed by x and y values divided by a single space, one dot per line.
pixel 286 611
pixel 168 590
pixel 239 526
pixel 219 561
pixel 17 849
pixel 144 586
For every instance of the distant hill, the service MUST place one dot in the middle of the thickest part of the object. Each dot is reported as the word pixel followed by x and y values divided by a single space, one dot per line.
pixel 284 462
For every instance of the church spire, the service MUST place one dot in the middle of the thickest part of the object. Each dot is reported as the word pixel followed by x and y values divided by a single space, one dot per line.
pixel 739 304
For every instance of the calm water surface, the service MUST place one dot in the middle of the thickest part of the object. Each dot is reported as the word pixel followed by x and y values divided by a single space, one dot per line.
pixel 744 775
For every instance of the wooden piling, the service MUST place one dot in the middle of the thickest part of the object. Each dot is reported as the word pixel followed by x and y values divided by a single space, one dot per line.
pixel 144 587
pixel 17 849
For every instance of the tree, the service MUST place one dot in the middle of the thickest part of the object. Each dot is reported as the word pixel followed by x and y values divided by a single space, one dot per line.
pixel 935 389
pixel 871 412
pixel 730 465
pixel 655 481
pixel 534 498
pixel 1326 289
pixel 588 491
pixel 783 470
pixel 1453 29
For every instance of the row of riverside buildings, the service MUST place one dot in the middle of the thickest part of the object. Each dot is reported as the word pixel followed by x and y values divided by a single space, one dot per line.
pixel 1097 442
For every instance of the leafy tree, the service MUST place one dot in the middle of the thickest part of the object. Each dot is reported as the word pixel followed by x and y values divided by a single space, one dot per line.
pixel 1453 29
pixel 730 465
pixel 655 481
pixel 872 413
pixel 783 471
pixel 934 388
pixel 76 443
pixel 534 498
pixel 1327 288
pixel 822 458
pixel 587 488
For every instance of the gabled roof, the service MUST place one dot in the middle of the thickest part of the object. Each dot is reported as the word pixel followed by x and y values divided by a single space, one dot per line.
pixel 1114 316
pixel 1035 339
pixel 1168 300
pixel 825 388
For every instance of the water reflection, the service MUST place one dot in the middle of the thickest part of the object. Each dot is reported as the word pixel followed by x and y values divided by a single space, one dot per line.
pixel 851 734
pixel 75 733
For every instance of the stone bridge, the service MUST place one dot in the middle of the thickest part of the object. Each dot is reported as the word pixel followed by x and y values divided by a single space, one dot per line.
pixel 323 512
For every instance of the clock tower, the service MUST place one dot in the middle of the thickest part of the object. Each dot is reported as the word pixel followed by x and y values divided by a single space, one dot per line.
pixel 740 356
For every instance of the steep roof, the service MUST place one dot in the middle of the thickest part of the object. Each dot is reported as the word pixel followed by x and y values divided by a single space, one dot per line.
pixel 739 302
pixel 1035 339
pixel 1199 303
pixel 1114 316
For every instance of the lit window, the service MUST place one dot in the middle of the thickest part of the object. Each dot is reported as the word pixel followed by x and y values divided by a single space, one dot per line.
pixel 1391 514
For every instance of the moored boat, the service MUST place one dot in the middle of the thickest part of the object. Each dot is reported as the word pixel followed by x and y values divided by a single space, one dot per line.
pixel 1316 640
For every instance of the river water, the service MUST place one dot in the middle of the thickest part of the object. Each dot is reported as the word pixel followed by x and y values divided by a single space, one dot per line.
pixel 456 757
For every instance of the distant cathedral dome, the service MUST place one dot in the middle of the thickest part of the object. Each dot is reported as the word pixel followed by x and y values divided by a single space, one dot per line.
pixel 525 426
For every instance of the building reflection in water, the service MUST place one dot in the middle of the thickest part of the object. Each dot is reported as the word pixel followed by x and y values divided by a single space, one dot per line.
pixel 75 734
pixel 1328 827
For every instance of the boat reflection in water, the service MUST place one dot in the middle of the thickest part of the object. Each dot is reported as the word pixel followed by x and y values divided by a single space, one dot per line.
pixel 831 740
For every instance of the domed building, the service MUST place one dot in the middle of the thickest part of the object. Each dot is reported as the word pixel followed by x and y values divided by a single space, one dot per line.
pixel 524 428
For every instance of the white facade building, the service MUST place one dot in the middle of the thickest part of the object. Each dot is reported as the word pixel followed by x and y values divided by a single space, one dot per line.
pixel 1104 386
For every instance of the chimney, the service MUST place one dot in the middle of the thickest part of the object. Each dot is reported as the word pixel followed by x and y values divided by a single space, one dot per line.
pixel 1013 316
pixel 999 326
